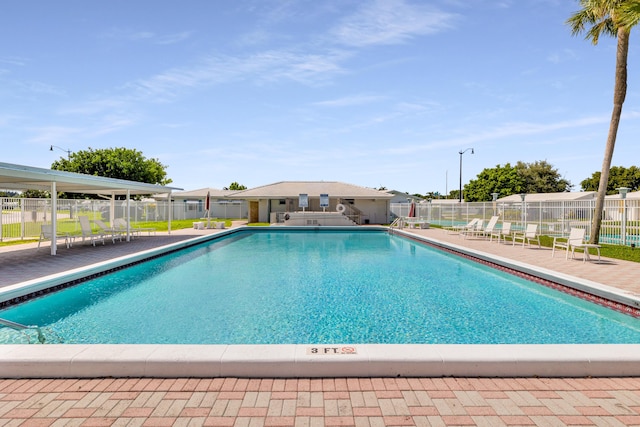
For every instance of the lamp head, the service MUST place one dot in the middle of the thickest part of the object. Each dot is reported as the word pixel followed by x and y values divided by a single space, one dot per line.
pixel 51 148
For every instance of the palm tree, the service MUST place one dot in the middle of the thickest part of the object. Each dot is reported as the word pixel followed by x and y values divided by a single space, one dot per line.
pixel 614 18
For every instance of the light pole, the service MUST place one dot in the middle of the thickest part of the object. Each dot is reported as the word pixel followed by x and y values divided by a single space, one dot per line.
pixel 62 149
pixel 523 214
pixel 623 225
pixel 461 153
pixel 495 202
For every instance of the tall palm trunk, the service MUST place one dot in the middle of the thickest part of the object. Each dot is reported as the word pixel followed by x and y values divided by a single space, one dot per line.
pixel 619 94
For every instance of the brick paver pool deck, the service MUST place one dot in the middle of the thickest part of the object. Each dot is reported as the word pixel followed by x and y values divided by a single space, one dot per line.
pixel 326 401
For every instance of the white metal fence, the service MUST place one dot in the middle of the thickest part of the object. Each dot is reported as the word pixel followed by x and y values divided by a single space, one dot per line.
pixel 22 218
pixel 620 225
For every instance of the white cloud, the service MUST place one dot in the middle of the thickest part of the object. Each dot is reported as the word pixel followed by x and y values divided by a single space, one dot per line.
pixel 562 56
pixel 136 36
pixel 174 38
pixel 54 134
pixel 305 68
pixel 505 131
pixel 349 101
pixel 387 22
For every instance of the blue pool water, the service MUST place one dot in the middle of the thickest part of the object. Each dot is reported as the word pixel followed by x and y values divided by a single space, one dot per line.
pixel 321 287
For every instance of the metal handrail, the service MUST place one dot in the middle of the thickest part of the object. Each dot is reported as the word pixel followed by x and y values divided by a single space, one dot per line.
pixel 20 327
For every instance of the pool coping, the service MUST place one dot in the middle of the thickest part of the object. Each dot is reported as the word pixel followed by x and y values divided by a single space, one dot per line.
pixel 305 360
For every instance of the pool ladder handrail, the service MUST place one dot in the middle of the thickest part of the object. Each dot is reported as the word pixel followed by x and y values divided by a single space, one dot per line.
pixel 397 223
pixel 20 327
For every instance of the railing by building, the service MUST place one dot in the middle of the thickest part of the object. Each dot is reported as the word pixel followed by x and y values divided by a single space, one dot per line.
pixel 22 218
pixel 620 224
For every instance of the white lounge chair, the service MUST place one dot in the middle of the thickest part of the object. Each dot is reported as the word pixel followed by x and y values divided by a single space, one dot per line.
pixel 491 227
pixel 478 228
pixel 121 224
pixel 113 232
pixel 529 235
pixel 502 233
pixel 459 228
pixel 88 233
pixel 47 234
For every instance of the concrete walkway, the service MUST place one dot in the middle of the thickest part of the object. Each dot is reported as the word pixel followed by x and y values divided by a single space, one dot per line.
pixel 308 402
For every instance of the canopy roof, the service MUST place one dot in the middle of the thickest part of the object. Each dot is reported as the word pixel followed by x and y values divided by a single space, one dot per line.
pixel 19 177
pixel 200 193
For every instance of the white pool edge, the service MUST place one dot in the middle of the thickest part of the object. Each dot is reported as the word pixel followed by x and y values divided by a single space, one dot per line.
pixel 294 361
pixel 302 361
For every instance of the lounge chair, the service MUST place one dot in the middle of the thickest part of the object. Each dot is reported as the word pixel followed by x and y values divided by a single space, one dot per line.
pixel 502 233
pixel 529 235
pixel 478 228
pixel 88 233
pixel 47 234
pixel 491 227
pixel 456 229
pixel 113 232
pixel 122 225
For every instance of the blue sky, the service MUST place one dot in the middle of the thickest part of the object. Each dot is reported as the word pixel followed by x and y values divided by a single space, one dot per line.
pixel 373 93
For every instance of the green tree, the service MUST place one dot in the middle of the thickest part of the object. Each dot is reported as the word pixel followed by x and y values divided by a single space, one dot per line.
pixel 613 18
pixel 504 180
pixel 541 177
pixel 120 163
pixel 234 186
pixel 619 176
pixel 536 177
pixel 35 194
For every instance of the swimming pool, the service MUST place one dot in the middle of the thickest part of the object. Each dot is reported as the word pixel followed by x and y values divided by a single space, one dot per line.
pixel 317 287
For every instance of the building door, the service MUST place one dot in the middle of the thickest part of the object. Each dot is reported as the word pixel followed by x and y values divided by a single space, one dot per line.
pixel 254 211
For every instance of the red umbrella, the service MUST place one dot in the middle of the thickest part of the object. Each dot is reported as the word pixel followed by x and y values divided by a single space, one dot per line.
pixel 206 203
pixel 412 209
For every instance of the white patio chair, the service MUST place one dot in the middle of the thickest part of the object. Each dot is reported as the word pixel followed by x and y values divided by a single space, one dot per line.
pixel 529 235
pixel 47 234
pixel 87 231
pixel 113 232
pixel 502 233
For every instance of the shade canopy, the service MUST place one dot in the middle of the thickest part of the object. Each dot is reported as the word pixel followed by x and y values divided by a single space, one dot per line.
pixel 19 177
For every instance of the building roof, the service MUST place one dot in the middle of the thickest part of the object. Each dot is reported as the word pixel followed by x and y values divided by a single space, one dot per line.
pixel 291 189
pixel 201 193
pixel 549 197
pixel 633 196
pixel 19 177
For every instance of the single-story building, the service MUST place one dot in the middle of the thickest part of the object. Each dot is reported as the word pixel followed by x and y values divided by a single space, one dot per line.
pixel 631 204
pixel 193 204
pixel 270 203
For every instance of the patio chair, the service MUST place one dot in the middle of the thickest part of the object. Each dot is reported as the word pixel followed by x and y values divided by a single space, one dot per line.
pixel 113 232
pixel 575 240
pixel 530 235
pixel 502 233
pixel 47 234
pixel 87 231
